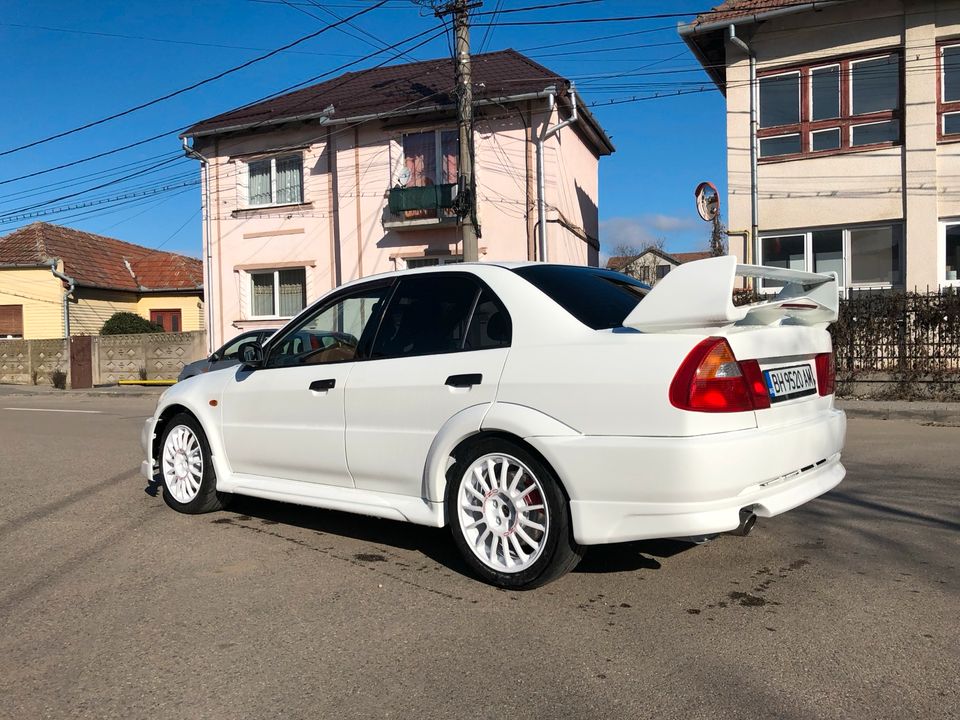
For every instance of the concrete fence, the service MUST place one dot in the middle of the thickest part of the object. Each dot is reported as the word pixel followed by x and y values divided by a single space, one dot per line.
pixel 158 356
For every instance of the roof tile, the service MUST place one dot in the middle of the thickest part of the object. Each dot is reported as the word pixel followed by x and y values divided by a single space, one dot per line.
pixel 99 261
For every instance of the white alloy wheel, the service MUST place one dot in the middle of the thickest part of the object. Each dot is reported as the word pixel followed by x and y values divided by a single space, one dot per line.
pixel 182 464
pixel 503 513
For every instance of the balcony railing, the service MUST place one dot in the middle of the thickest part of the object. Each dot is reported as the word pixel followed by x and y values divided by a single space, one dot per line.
pixel 418 206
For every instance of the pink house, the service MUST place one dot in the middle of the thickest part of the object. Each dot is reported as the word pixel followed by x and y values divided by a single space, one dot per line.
pixel 357 176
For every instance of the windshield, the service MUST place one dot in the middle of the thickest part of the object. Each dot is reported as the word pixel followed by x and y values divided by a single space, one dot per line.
pixel 600 299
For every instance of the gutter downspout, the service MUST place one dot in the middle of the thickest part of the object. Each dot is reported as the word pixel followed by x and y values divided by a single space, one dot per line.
pixel 66 296
pixel 754 195
pixel 541 181
pixel 208 286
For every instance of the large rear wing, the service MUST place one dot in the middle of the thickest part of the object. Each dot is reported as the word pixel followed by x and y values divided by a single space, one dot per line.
pixel 700 294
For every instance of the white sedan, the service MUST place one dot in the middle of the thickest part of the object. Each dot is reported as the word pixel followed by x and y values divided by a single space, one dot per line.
pixel 535 409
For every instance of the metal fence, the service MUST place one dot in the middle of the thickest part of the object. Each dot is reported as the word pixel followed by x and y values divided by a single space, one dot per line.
pixel 915 333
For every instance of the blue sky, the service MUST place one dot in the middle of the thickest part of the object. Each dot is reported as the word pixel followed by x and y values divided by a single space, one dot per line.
pixel 68 65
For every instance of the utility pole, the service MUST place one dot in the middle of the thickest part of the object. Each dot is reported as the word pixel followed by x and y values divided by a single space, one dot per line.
pixel 466 204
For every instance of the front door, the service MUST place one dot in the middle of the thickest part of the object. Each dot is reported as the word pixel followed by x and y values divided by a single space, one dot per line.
pixel 169 320
pixel 286 419
pixel 440 349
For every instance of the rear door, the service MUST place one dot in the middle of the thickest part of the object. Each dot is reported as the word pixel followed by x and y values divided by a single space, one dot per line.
pixel 440 349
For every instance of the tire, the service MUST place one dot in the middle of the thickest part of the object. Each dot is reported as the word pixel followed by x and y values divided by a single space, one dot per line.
pixel 514 531
pixel 186 471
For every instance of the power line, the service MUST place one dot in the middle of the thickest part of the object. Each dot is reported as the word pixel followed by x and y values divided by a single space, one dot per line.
pixel 192 86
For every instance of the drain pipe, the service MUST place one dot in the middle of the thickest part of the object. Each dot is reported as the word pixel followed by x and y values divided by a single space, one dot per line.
pixel 66 295
pixel 207 286
pixel 753 248
pixel 541 182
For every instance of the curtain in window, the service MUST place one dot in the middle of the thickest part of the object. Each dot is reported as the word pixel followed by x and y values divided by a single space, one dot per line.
pixel 449 149
pixel 259 182
pixel 420 156
pixel 292 292
pixel 289 179
pixel 262 294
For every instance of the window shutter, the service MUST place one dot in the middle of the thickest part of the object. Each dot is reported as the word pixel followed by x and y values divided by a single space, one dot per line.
pixel 11 320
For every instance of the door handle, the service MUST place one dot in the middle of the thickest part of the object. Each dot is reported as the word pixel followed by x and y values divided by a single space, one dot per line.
pixel 323 385
pixel 462 381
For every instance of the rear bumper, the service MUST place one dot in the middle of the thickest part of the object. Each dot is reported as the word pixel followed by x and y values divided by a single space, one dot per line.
pixel 635 488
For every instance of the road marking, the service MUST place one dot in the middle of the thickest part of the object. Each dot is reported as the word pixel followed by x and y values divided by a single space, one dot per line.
pixel 90 412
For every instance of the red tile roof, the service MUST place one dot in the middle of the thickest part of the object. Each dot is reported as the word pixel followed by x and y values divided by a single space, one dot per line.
pixel 101 262
pixel 691 256
pixel 733 9
pixel 400 89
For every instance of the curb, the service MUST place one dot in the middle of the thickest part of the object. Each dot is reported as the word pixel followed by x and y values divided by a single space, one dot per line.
pixel 939 413
pixel 29 391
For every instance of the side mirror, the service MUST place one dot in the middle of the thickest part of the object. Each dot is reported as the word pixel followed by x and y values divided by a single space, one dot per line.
pixel 213 357
pixel 251 354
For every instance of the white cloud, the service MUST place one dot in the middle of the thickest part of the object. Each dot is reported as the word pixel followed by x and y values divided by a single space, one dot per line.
pixel 669 223
pixel 646 229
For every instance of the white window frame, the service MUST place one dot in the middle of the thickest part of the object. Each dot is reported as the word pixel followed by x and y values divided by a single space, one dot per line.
pixel 942 252
pixel 847 283
pixel 799 100
pixel 900 90
pixel 943 75
pixel 275 272
pixel 839 91
pixel 273 181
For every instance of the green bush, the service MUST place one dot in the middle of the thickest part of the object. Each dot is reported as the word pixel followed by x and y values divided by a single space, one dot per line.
pixel 127 323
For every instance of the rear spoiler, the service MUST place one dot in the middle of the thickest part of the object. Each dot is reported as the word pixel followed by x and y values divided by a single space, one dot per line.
pixel 700 294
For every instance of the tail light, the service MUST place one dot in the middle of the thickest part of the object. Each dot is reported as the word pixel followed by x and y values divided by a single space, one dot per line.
pixel 826 373
pixel 711 379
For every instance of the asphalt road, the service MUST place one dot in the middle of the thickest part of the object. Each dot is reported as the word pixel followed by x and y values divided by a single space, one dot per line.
pixel 113 606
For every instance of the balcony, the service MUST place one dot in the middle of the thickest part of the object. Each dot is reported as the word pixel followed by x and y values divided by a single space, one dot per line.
pixel 418 207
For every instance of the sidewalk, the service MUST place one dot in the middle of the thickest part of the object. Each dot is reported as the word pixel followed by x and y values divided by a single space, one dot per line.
pixel 947 413
pixel 105 390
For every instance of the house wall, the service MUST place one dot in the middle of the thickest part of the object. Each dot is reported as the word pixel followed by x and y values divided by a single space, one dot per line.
pixel 40 294
pixel 913 183
pixel 337 233
pixel 90 308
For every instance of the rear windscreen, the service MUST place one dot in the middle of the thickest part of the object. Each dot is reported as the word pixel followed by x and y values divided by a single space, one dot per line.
pixel 600 299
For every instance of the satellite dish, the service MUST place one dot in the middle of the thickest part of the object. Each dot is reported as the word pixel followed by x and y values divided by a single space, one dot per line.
pixel 403 177
pixel 708 201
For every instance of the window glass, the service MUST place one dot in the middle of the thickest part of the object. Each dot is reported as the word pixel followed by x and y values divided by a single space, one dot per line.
pixel 780 100
pixel 262 296
pixel 951 73
pixel 828 252
pixel 230 350
pixel 876 84
pixel 951 123
pixel 783 145
pixel 428 314
pixel 490 325
pixel 289 179
pixel 600 299
pixel 825 91
pixel 259 181
pixel 293 291
pixel 953 252
pixel 662 271
pixel 825 139
pixel 782 252
pixel 875 254
pixel 332 333
pixel 875 133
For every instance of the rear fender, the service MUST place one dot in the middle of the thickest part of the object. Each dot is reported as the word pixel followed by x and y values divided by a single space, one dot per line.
pixel 518 420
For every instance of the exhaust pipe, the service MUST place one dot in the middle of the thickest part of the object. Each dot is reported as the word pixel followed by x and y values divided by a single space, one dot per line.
pixel 747 520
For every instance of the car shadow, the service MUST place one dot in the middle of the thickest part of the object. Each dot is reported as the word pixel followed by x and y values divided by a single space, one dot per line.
pixel 435 543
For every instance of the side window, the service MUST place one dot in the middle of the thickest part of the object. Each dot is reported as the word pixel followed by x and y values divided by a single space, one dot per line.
pixel 333 332
pixel 428 314
pixel 230 352
pixel 490 325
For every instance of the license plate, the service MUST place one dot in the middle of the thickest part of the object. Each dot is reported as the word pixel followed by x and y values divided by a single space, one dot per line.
pixel 791 382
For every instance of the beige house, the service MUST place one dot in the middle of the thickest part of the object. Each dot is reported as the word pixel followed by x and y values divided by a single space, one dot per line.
pixel 358 175
pixel 652 264
pixel 854 158
pixel 56 281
